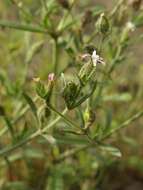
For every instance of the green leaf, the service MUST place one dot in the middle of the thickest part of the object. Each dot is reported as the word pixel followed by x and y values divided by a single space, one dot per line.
pixel 31 104
pixel 40 89
pixel 108 122
pixel 55 182
pixel 7 121
pixel 124 97
pixel 111 150
pixel 33 153
pixel 24 27
pixel 138 20
pixel 71 140
pixel 98 9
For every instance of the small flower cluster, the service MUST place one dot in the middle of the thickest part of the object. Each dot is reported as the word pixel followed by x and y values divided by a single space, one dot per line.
pixel 42 91
pixel 95 58
pixel 73 93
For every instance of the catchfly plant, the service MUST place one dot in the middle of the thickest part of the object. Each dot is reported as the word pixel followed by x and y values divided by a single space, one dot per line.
pixel 69 118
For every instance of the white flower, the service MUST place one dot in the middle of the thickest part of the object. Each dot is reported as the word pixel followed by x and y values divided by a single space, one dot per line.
pixel 96 59
pixel 130 26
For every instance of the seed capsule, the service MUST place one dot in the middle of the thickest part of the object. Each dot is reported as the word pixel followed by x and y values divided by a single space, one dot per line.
pixel 102 24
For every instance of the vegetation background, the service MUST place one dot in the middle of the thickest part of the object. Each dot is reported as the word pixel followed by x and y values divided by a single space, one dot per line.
pixel 60 158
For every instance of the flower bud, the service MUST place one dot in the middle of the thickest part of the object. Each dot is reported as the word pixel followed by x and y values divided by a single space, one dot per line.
pixel 129 27
pixel 70 94
pixel 43 91
pixel 89 117
pixel 40 88
pixel 102 24
pixel 84 72
pixel 51 80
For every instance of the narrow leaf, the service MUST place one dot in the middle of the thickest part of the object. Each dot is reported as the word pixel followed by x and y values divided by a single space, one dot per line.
pixel 24 27
pixel 111 150
pixel 31 104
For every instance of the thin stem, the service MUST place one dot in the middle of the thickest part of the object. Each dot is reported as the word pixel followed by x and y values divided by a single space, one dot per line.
pixel 55 63
pixel 65 118
pixel 115 60
pixel 20 8
pixel 124 124
pixel 120 2
pixel 23 27
pixel 43 3
pixel 54 122
pixel 5 151
pixel 9 149
pixel 55 55
pixel 72 152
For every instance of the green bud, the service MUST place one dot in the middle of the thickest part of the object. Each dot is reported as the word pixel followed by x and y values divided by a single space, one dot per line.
pixel 40 88
pixel 129 27
pixel 70 94
pixel 85 72
pixel 89 117
pixel 44 91
pixel 102 24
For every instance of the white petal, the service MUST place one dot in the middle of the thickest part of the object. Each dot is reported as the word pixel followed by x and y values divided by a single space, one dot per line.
pixel 94 54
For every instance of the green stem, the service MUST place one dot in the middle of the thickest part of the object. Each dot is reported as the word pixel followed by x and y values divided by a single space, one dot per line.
pixel 43 3
pixel 55 63
pixel 55 56
pixel 9 149
pixel 27 15
pixel 5 151
pixel 115 60
pixel 65 118
pixel 116 8
pixel 23 27
pixel 124 124
pixel 72 152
